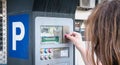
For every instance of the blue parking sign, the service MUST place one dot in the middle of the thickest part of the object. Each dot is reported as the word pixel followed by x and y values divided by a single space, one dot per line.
pixel 18 36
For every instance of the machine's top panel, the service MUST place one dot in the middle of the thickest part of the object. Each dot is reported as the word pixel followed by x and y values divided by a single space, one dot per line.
pixel 57 6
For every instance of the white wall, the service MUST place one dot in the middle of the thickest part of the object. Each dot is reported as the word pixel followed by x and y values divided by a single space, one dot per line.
pixel 80 15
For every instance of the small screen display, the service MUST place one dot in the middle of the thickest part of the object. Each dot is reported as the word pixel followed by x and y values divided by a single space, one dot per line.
pixel 51 34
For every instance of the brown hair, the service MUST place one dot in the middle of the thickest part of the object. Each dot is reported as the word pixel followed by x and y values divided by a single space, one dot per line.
pixel 103 31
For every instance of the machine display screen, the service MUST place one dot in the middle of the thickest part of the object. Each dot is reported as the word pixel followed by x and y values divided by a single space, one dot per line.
pixel 51 34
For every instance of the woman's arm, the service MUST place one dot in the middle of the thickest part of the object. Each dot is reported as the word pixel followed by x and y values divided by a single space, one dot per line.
pixel 76 38
pixel 77 41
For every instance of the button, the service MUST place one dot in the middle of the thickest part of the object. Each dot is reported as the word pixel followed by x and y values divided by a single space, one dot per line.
pixel 46 58
pixel 50 50
pixel 49 57
pixel 41 58
pixel 41 51
pixel 45 50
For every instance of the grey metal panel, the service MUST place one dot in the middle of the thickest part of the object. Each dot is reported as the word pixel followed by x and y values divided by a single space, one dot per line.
pixel 32 38
pixel 19 5
pixel 58 6
pixel 53 14
pixel 13 61
pixel 57 21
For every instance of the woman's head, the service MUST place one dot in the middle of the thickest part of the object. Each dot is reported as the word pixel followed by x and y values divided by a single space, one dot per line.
pixel 103 30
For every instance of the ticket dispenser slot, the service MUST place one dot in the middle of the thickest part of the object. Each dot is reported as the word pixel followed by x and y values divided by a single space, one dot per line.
pixel 66 30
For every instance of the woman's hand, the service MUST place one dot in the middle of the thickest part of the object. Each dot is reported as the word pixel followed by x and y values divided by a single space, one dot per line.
pixel 74 37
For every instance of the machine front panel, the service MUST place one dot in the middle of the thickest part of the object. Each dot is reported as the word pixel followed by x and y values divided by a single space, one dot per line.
pixel 51 47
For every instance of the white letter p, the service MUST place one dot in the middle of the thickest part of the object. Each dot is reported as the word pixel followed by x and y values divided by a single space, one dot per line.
pixel 15 36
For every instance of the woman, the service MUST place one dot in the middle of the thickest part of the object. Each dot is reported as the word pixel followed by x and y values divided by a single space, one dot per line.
pixel 102 34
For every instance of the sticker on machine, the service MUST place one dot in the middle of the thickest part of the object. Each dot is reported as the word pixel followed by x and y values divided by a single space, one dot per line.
pixel 51 34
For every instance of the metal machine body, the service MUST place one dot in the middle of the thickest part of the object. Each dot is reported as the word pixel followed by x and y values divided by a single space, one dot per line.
pixel 36 36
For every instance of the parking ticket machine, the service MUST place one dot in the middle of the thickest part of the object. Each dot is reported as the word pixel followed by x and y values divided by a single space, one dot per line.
pixel 36 37
pixel 52 46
